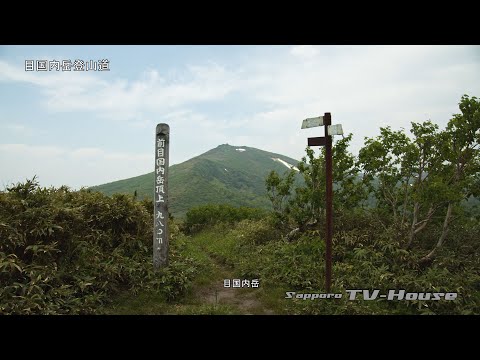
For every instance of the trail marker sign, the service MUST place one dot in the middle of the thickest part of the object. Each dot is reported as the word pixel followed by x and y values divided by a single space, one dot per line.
pixel 312 122
pixel 160 201
pixel 329 131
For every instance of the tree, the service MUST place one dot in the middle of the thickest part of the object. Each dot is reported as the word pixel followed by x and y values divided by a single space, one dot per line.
pixel 461 160
pixel 278 191
pixel 422 163
pixel 349 191
pixel 386 168
pixel 304 206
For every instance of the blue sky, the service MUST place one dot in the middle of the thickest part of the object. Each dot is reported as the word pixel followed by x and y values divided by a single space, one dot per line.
pixel 91 127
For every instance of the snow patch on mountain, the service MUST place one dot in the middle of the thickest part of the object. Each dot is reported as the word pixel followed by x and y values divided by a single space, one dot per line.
pixel 240 149
pixel 290 166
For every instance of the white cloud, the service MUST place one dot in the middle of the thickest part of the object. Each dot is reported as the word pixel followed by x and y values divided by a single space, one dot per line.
pixel 85 153
pixel 359 78
pixel 125 99
pixel 71 82
pixel 340 78
pixel 17 127
pixel 304 51
pixel 21 130
pixel 29 150
pixel 78 167
pixel 364 87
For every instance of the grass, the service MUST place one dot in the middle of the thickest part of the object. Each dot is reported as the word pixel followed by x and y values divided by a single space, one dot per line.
pixel 147 303
pixel 216 253
pixel 227 252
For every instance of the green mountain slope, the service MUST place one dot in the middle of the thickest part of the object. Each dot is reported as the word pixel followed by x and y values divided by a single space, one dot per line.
pixel 221 175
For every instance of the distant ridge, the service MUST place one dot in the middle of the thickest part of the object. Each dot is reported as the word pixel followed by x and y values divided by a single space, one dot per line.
pixel 227 174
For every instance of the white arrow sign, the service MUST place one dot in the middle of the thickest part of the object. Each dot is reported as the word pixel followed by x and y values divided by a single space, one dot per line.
pixel 312 122
pixel 335 129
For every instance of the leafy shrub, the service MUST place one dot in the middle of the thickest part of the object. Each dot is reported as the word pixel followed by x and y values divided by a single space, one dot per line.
pixel 365 256
pixel 257 232
pixel 67 252
pixel 200 217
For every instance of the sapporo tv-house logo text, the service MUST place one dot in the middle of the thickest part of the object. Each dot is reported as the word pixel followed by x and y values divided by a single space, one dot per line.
pixel 362 294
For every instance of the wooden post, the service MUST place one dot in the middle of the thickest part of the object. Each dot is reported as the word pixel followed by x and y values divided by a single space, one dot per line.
pixel 326 141
pixel 329 200
pixel 160 201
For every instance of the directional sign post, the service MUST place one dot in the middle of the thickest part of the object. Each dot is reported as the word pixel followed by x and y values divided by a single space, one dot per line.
pixel 316 141
pixel 312 122
pixel 329 199
pixel 160 202
pixel 326 141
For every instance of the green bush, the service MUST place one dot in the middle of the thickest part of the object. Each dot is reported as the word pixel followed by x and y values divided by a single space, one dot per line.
pixel 200 217
pixel 257 232
pixel 365 256
pixel 68 252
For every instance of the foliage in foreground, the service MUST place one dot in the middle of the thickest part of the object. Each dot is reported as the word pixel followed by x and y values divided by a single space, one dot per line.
pixel 204 216
pixel 417 184
pixel 69 252
pixel 416 234
pixel 364 257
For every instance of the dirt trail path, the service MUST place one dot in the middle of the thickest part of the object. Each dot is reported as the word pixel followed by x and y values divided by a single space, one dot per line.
pixel 243 300
pixel 207 296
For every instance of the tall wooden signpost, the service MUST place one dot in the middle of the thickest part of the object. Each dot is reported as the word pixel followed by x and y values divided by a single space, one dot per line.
pixel 326 141
pixel 160 202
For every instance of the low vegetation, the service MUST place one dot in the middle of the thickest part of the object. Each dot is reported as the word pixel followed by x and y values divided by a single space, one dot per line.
pixel 70 252
pixel 201 217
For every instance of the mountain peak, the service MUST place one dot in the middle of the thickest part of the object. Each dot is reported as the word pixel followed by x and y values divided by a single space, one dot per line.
pixel 226 174
pixel 229 146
